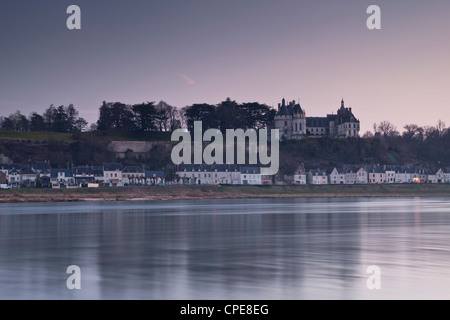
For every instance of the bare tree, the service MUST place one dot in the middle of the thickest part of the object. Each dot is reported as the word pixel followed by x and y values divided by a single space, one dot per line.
pixel 368 134
pixel 413 131
pixel 441 128
pixel 386 129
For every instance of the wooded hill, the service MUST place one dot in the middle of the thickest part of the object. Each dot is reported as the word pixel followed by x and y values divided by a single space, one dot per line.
pixel 91 148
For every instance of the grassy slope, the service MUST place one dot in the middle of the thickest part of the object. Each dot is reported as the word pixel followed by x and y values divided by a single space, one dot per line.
pixel 69 137
pixel 35 136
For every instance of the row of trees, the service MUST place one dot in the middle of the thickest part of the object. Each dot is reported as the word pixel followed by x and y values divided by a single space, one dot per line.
pixel 386 129
pixel 148 116
pixel 229 115
pixel 54 119
pixel 162 117
pixel 143 117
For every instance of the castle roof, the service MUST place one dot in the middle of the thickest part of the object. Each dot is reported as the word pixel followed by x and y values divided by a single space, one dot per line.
pixel 290 109
pixel 345 115
pixel 312 122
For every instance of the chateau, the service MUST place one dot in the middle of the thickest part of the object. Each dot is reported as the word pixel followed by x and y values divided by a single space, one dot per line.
pixel 293 123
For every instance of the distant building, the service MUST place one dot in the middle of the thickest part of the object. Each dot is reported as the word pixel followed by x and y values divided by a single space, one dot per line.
pixel 337 176
pixel 300 175
pixel 133 175
pixel 317 176
pixel 377 174
pixel 362 176
pixel 155 177
pixel 112 173
pixel 292 122
pixel 28 177
pixel 251 176
pixel 208 174
pixel 62 177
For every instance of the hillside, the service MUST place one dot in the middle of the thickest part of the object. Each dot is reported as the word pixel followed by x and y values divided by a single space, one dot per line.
pixel 92 148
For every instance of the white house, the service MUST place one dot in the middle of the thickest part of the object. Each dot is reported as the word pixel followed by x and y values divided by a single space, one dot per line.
pixel 419 175
pixel 377 175
pixel 337 176
pixel 112 172
pixel 432 178
pixel 351 172
pixel 133 175
pixel 62 177
pixel 441 176
pixel 446 175
pixel 251 176
pixel 362 176
pixel 390 174
pixel 14 178
pixel 300 175
pixel 209 174
pixel 317 176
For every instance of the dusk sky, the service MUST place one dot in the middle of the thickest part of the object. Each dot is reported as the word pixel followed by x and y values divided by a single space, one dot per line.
pixel 194 51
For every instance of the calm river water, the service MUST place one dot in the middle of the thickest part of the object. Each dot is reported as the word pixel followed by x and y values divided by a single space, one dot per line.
pixel 278 249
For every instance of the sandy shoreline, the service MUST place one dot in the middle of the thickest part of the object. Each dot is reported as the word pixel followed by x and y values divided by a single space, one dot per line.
pixel 216 192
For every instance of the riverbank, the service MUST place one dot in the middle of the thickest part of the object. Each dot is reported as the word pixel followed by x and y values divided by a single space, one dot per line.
pixel 221 192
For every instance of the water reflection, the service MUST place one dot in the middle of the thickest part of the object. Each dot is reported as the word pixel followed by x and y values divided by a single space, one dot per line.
pixel 227 249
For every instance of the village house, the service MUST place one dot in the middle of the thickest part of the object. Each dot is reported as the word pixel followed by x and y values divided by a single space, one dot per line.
pixel 84 175
pixel 251 176
pixel 362 176
pixel 337 176
pixel 447 175
pixel 62 178
pixel 403 174
pixel 209 174
pixel 112 174
pixel 28 177
pixel 351 172
pixel 133 175
pixel 300 175
pixel 153 178
pixel 317 176
pixel 432 178
pixel 99 175
pixel 390 172
pixel 43 169
pixel 377 175
pixel 419 175
pixel 190 174
pixel 441 176
pixel 14 178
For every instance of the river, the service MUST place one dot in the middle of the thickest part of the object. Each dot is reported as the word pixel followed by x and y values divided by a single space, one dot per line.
pixel 277 249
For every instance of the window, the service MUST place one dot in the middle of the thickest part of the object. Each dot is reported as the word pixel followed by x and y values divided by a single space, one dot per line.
pixel 296 127
pixel 285 123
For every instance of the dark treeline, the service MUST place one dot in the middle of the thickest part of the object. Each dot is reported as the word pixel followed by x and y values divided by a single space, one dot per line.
pixel 54 119
pixel 145 117
pixel 228 114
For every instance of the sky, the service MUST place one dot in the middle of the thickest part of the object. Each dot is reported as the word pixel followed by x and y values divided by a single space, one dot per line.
pixel 203 51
